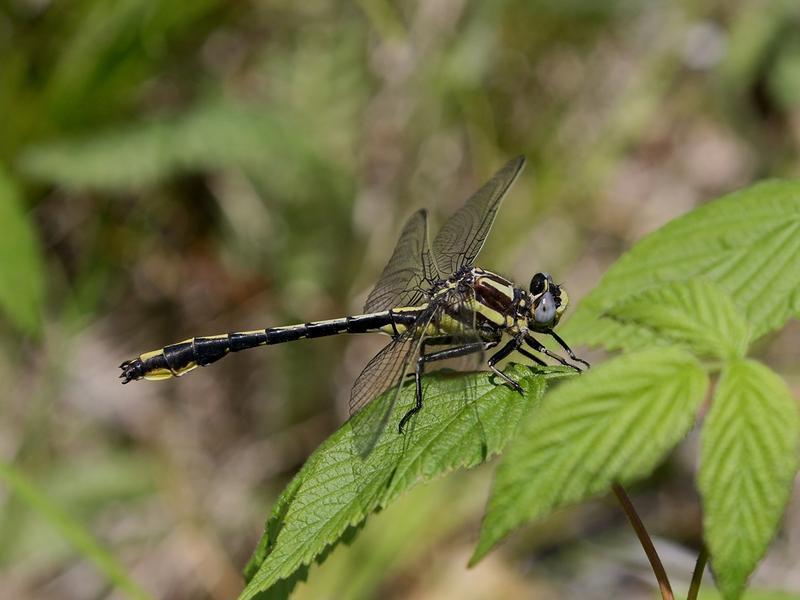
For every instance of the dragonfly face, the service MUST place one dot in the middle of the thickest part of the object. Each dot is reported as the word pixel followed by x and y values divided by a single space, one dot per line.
pixel 429 295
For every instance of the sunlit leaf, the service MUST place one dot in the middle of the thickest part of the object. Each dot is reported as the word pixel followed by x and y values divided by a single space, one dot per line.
pixel 696 312
pixel 746 242
pixel 614 423
pixel 749 459
pixel 336 489
pixel 21 267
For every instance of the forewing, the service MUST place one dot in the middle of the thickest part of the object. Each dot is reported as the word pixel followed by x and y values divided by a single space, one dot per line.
pixel 409 272
pixel 462 236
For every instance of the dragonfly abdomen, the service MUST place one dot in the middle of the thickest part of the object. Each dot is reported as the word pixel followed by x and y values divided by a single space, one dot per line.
pixel 180 358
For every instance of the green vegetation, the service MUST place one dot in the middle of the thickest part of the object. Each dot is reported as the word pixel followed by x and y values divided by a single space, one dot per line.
pixel 174 169
pixel 619 421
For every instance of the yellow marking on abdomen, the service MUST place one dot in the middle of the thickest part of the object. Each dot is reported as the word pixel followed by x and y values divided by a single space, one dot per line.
pixel 158 374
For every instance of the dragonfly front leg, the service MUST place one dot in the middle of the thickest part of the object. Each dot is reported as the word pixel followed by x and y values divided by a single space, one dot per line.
pixel 539 347
pixel 511 346
pixel 464 350
pixel 567 349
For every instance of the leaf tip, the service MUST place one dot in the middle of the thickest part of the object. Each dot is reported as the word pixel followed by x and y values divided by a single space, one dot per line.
pixel 481 550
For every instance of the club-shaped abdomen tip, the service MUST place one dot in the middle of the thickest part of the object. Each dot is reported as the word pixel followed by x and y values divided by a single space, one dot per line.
pixel 131 370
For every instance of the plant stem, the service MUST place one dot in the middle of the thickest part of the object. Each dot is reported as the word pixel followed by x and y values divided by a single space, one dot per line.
pixel 697 575
pixel 645 541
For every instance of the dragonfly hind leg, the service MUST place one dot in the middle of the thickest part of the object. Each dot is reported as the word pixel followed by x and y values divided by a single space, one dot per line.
pixel 464 350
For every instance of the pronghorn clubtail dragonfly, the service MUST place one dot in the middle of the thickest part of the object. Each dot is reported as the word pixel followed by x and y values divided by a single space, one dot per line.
pixel 427 295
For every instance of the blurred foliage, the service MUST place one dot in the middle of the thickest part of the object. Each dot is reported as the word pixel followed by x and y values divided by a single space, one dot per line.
pixel 22 275
pixel 71 530
pixel 170 169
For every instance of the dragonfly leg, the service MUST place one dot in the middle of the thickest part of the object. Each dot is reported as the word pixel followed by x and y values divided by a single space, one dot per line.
pixel 531 356
pixel 464 350
pixel 567 349
pixel 537 345
pixel 442 340
pixel 511 346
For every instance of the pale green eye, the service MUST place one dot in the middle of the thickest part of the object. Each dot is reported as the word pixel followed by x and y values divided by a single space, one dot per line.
pixel 545 310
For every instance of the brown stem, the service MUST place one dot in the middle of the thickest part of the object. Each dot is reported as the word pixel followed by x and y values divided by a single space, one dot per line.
pixel 697 575
pixel 645 541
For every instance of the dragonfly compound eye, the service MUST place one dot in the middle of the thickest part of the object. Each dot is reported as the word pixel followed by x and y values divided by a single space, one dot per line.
pixel 545 309
pixel 539 283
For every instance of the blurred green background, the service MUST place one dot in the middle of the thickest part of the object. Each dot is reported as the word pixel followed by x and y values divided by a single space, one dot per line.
pixel 170 169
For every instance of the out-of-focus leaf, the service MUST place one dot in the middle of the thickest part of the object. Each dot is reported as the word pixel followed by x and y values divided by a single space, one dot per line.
pixel 106 50
pixel 614 423
pixel 84 487
pixel 212 136
pixel 21 267
pixel 337 490
pixel 708 593
pixel 695 312
pixel 747 243
pixel 784 78
pixel 749 459
pixel 78 536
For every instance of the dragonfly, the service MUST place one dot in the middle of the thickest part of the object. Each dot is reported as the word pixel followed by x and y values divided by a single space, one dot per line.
pixel 432 301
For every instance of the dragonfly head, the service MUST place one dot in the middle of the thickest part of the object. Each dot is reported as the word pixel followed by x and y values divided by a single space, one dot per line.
pixel 549 302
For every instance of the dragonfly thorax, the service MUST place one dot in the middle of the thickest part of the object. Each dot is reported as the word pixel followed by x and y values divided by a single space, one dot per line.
pixel 499 303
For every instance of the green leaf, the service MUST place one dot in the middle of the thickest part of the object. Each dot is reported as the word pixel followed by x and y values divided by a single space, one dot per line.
pixel 392 541
pixel 73 531
pixel 749 457
pixel 746 242
pixel 336 489
pixel 21 268
pixel 763 277
pixel 613 423
pixel 696 312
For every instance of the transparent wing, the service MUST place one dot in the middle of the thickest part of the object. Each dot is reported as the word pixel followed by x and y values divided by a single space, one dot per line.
pixel 384 373
pixel 381 373
pixel 462 236
pixel 409 272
